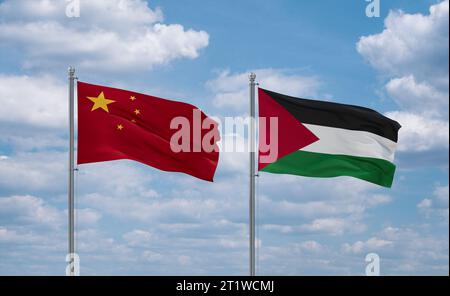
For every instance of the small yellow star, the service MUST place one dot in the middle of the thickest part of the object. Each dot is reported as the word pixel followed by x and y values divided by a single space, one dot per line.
pixel 133 120
pixel 137 111
pixel 120 127
pixel 100 102
pixel 133 98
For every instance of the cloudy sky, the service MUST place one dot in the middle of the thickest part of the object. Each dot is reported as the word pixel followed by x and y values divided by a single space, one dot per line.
pixel 134 219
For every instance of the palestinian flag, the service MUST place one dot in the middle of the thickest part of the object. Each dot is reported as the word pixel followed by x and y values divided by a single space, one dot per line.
pixel 324 139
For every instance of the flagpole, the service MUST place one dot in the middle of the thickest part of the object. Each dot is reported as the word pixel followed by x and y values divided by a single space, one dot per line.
pixel 71 212
pixel 252 78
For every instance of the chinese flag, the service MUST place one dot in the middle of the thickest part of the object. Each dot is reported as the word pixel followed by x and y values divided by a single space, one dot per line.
pixel 168 135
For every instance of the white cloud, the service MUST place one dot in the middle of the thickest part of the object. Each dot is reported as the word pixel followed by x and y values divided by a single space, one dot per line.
pixel 110 35
pixel 231 161
pixel 151 256
pixel 419 97
pixel 420 133
pixel 280 228
pixel 111 13
pixel 419 251
pixel 34 172
pixel 12 236
pixel 34 112
pixel 377 199
pixel 135 195
pixel 311 209
pixel 138 237
pixel 92 242
pixel 410 43
pixel 34 101
pixel 30 210
pixel 437 205
pixel 34 212
pixel 442 196
pixel 316 206
pixel 26 139
pixel 333 226
pixel 231 89
pixel 425 204
pixel 404 250
pixel 153 210
pixel 116 179
pixel 312 246
pixel 413 53
pixel 318 198
pixel 371 245
pixel 87 216
pixel 234 242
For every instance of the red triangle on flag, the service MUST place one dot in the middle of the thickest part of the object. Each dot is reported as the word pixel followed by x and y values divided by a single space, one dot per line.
pixel 291 135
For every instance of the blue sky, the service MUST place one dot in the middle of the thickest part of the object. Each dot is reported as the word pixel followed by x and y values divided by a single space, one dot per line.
pixel 133 219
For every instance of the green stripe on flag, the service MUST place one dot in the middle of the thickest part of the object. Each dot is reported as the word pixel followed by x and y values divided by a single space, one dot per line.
pixel 312 164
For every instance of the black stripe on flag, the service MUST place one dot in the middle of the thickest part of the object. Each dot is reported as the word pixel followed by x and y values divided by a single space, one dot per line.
pixel 338 115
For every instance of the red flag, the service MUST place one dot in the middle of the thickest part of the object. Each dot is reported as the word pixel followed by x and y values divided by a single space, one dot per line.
pixel 118 124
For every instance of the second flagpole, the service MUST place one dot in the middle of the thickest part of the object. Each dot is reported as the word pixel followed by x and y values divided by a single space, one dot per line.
pixel 71 197
pixel 252 237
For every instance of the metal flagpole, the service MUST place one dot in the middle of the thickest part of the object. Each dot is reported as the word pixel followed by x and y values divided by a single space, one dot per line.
pixel 252 78
pixel 71 171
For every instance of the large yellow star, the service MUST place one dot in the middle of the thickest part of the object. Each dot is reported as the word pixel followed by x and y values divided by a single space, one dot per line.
pixel 100 102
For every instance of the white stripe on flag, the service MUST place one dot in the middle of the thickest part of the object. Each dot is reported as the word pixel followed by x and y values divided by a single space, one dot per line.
pixel 349 142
